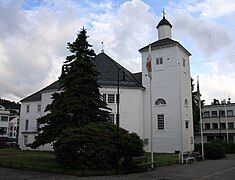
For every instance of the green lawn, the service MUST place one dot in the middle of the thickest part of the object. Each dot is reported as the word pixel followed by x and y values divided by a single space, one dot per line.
pixel 45 162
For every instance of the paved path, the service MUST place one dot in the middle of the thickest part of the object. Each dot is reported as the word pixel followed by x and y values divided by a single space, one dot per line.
pixel 223 169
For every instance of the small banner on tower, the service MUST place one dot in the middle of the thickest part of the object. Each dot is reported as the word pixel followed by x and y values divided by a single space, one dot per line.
pixel 149 63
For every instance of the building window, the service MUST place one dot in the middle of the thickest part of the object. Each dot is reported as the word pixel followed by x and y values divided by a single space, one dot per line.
pixel 159 61
pixel 117 98
pixel 14 128
pixel 229 113
pixel 214 125
pixel 39 108
pixel 206 114
pixel 27 108
pixel 25 140
pixel 183 62
pixel 4 118
pixel 214 113
pixel 210 138
pixel 222 113
pixel 186 102
pixel 104 97
pixel 14 134
pixel 38 125
pixel 222 126
pixel 160 102
pixel 111 118
pixel 160 122
pixel 207 126
pixel 230 125
pixel 186 124
pixel 111 98
pixel 26 124
pixel 11 128
pixel 11 134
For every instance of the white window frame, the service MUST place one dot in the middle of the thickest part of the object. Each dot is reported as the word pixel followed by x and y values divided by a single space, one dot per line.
pixel 159 61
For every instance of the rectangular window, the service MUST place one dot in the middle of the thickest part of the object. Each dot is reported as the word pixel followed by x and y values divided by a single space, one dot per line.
pixel 183 62
pixel 214 113
pixel 39 108
pixel 230 113
pixel 214 125
pixel 11 128
pixel 25 140
pixel 159 61
pixel 222 125
pixel 230 125
pixel 27 108
pixel 186 124
pixel 206 114
pixel 4 118
pixel 222 113
pixel 26 124
pixel 111 118
pixel 104 97
pixel 207 126
pixel 111 98
pixel 160 122
pixel 14 134
pixel 38 125
pixel 14 128
pixel 11 134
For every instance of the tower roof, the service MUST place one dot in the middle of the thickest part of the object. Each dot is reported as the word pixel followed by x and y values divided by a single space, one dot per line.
pixel 164 21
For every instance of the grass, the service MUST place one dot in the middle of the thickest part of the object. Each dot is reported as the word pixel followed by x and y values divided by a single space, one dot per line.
pixel 45 162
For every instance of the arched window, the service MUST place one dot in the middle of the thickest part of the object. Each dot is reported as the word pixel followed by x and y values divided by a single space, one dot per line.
pixel 160 102
pixel 186 102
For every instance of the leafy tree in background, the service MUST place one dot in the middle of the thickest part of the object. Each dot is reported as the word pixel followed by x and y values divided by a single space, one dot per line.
pixel 195 106
pixel 79 102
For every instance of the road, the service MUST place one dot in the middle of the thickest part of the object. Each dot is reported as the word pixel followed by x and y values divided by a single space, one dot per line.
pixel 223 169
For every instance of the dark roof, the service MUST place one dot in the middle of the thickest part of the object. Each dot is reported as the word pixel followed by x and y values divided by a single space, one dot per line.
pixel 138 77
pixel 164 21
pixel 163 42
pixel 108 73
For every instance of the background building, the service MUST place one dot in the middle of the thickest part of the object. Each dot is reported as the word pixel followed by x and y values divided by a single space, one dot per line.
pixel 218 121
pixel 4 122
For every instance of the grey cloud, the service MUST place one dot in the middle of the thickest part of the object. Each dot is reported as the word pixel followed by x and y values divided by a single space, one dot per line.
pixel 209 37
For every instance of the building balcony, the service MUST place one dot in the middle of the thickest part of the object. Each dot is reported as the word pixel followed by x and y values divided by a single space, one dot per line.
pixel 217 131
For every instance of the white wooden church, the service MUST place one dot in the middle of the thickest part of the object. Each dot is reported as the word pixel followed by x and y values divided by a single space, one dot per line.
pixel 171 101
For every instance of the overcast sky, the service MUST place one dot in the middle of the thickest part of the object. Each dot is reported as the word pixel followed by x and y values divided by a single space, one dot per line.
pixel 34 35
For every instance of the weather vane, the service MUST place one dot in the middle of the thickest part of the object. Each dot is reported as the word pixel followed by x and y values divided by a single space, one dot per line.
pixel 163 13
pixel 102 46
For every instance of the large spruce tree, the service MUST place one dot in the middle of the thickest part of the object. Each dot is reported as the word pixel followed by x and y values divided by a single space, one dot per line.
pixel 79 101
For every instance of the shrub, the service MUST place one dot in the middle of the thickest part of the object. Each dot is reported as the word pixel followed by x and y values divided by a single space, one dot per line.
pixel 93 146
pixel 214 150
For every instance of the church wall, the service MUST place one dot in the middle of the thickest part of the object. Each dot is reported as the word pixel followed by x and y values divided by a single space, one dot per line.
pixel 164 32
pixel 164 85
pixel 131 108
pixel 186 94
pixel 131 113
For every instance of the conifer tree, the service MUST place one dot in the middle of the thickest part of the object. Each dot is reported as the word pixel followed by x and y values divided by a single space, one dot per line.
pixel 79 101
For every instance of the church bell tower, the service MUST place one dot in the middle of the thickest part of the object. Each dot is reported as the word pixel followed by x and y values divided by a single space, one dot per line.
pixel 171 98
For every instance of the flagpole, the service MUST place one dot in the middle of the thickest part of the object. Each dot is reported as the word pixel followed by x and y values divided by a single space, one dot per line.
pixel 151 118
pixel 149 70
pixel 200 115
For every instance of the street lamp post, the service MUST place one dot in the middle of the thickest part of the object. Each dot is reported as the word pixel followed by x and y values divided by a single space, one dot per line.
pixel 220 111
pixel 118 116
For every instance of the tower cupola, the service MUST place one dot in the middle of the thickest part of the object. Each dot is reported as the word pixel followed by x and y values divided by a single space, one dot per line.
pixel 164 28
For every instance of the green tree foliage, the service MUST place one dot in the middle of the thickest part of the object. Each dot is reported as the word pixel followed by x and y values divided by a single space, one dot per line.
pixel 10 105
pixel 195 106
pixel 79 101
pixel 93 146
